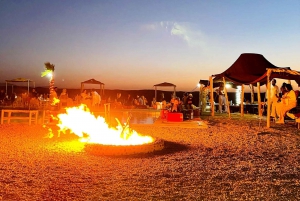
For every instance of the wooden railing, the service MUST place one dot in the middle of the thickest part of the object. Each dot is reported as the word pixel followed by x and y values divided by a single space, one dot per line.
pixel 31 115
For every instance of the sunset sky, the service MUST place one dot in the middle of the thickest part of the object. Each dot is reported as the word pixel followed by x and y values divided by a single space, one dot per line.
pixel 136 44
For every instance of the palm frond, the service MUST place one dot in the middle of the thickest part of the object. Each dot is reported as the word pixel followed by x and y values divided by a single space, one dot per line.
pixel 45 73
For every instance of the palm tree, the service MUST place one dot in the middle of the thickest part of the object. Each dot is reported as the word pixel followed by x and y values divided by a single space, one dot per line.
pixel 49 70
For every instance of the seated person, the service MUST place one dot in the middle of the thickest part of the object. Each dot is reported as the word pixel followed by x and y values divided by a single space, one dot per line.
pixel 77 99
pixel 288 101
pixel 128 101
pixel 190 102
pixel 86 98
pixel 118 102
pixel 153 103
pixel 174 104
pixel 184 100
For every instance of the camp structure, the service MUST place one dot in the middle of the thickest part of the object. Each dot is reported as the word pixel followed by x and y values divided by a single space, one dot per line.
pixel 19 80
pixel 164 84
pixel 95 82
pixel 253 69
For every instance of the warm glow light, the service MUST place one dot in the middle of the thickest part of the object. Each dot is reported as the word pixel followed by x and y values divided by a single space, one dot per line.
pixel 198 85
pixel 55 101
pixel 238 95
pixel 49 75
pixel 81 122
pixel 227 86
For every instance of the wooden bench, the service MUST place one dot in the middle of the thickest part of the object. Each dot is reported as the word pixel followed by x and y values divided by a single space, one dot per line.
pixel 32 115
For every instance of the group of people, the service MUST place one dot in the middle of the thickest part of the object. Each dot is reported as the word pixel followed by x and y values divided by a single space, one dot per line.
pixel 129 102
pixel 22 99
pixel 220 98
pixel 4 98
pixel 137 102
pixel 282 100
pixel 176 104
pixel 92 98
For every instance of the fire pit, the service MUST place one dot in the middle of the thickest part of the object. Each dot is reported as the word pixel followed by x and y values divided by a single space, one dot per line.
pixel 118 150
pixel 101 139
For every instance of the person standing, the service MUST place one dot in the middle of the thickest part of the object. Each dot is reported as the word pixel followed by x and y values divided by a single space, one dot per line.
pixel 204 93
pixel 222 100
pixel 273 97
pixel 96 98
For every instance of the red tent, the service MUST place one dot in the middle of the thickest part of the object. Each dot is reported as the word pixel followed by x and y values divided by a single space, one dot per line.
pixel 251 68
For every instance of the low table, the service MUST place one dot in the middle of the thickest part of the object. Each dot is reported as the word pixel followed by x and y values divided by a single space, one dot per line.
pixel 174 116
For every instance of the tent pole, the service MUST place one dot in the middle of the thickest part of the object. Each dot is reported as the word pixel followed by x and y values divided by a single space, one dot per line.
pixel 252 93
pixel 6 87
pixel 28 86
pixel 174 90
pixel 212 104
pixel 259 99
pixel 226 96
pixel 242 101
pixel 200 88
pixel 155 95
pixel 269 97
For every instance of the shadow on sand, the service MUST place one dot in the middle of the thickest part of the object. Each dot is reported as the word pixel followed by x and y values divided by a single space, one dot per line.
pixel 169 148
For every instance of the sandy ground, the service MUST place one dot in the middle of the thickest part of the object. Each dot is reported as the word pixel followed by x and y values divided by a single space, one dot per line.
pixel 231 159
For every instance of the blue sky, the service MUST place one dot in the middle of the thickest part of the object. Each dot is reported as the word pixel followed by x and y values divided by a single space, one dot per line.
pixel 136 44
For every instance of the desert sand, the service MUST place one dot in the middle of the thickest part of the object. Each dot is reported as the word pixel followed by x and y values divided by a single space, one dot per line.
pixel 229 159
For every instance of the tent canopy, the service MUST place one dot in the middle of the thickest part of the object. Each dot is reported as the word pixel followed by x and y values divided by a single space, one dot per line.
pixel 22 80
pixel 164 84
pixel 251 68
pixel 217 84
pixel 19 80
pixel 93 81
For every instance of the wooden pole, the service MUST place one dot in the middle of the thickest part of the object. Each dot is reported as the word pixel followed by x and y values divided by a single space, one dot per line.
pixel 226 96
pixel 269 97
pixel 212 104
pixel 259 99
pixel 252 93
pixel 200 89
pixel 242 101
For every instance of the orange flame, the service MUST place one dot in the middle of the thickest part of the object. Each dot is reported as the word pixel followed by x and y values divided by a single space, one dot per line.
pixel 55 101
pixel 81 122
